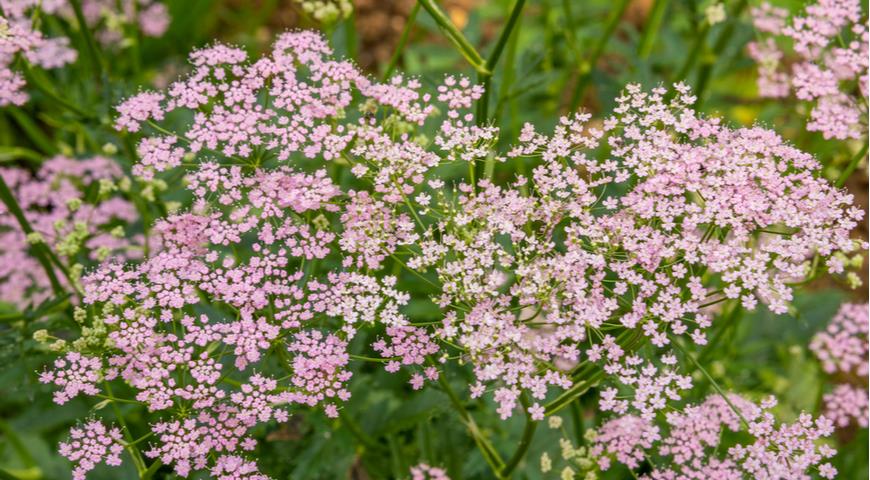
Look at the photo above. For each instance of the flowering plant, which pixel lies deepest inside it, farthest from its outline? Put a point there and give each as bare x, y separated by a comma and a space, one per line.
316, 211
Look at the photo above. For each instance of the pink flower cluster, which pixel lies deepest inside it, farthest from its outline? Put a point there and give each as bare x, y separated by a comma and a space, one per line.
90, 444
151, 17
279, 262
843, 345
843, 350
528, 270
18, 39
687, 445
408, 346
55, 203
830, 50
425, 472
74, 374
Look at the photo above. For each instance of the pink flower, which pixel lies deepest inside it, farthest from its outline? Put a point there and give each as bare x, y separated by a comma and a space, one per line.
91, 444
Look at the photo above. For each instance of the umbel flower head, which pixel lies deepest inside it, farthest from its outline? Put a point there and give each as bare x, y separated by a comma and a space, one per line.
621, 234
842, 348
18, 38
829, 43
75, 207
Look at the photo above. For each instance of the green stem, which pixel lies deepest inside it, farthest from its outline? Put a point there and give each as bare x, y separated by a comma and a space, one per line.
32, 130
576, 391
718, 48
130, 442
23, 453
727, 323
850, 168
11, 317
712, 382
39, 250
588, 66
403, 40
525, 442
651, 29
577, 419
454, 35
91, 44
694, 53
482, 109
34, 80
8, 154
492, 61
484, 78
486, 449
142, 438
358, 432
396, 457
147, 474
586, 375
471, 175
415, 272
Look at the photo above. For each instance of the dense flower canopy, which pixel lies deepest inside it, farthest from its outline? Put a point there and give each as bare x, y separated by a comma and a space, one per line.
628, 232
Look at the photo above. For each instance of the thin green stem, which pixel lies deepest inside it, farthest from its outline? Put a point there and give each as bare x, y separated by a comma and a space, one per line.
32, 131
90, 42
363, 358
142, 438
852, 165
130, 443
484, 78
525, 442
513, 20
577, 419
454, 35
721, 43
651, 29
39, 249
713, 302
34, 80
586, 68
403, 40
415, 272
15, 441
694, 53
487, 450
576, 391
712, 381
586, 375
481, 113
8, 154
359, 433
727, 323
147, 474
